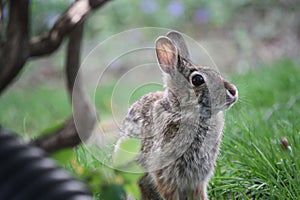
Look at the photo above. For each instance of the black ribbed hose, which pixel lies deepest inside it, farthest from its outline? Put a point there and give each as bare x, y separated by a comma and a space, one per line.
27, 174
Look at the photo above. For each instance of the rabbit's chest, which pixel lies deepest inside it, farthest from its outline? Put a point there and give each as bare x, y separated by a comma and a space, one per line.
194, 165
190, 170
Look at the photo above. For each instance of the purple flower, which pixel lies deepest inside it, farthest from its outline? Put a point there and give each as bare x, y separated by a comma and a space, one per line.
4, 13
176, 8
201, 16
148, 6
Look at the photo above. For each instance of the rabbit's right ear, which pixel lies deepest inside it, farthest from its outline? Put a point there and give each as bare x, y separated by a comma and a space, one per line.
178, 40
167, 54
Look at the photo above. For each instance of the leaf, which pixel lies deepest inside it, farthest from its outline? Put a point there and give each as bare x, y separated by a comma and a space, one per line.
63, 157
112, 191
126, 154
133, 190
130, 183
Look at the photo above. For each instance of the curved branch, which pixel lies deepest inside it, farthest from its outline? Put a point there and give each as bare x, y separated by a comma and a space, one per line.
84, 113
81, 124
64, 137
73, 16
17, 48
14, 52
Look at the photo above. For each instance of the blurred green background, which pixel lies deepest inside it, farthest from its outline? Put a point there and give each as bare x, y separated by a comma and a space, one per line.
255, 44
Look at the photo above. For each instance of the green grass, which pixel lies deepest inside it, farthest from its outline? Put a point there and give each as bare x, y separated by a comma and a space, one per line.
252, 163
30, 110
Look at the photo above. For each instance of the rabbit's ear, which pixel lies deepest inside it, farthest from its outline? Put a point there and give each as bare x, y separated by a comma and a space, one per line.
167, 54
178, 40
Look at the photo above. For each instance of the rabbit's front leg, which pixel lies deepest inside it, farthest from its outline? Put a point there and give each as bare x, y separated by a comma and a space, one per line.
200, 192
148, 189
167, 190
169, 194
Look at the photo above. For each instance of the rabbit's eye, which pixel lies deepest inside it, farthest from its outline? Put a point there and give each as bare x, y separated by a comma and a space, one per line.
197, 80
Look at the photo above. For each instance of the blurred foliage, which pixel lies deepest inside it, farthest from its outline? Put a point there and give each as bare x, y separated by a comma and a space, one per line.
50, 110
119, 15
105, 181
126, 152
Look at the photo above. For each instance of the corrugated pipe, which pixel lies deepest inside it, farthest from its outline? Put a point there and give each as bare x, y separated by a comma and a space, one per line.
26, 173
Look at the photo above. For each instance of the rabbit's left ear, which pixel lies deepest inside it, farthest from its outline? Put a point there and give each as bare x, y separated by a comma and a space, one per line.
167, 54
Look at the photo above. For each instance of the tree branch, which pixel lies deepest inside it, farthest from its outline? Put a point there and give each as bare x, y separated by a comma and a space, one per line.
65, 137
15, 50
73, 58
84, 113
73, 16
80, 126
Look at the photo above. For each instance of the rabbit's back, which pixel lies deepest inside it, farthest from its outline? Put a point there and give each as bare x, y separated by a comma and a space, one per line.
139, 119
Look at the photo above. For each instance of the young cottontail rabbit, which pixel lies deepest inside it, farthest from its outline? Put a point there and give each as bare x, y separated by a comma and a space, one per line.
180, 128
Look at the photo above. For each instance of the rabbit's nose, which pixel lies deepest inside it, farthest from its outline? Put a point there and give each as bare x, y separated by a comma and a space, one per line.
231, 90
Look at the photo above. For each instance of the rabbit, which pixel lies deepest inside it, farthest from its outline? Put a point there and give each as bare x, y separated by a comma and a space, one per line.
181, 127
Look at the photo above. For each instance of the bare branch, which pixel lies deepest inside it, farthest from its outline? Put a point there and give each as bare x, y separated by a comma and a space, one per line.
84, 113
17, 48
96, 3
15, 51
64, 137
80, 126
73, 16
73, 57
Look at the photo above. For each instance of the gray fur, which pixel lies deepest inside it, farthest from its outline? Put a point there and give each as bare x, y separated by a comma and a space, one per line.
180, 128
